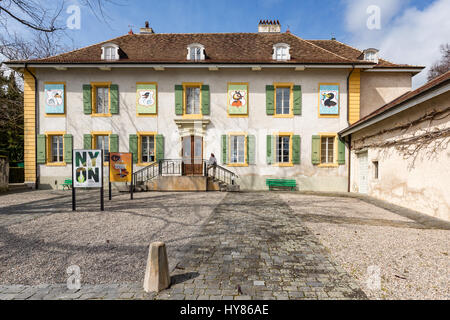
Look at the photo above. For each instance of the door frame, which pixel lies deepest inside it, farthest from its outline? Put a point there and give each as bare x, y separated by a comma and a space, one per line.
192, 169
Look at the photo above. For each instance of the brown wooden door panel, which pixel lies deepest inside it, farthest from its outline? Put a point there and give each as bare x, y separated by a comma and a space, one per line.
192, 155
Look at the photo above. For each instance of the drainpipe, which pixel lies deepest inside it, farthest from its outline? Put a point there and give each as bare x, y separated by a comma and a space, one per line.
349, 162
36, 103
350, 136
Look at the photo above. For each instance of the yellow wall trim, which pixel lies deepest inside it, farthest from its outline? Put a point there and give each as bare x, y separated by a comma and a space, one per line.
29, 127
354, 96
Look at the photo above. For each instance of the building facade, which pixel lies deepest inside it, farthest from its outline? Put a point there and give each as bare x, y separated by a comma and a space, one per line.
267, 104
400, 152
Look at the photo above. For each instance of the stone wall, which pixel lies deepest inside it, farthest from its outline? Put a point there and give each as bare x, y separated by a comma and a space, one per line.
420, 181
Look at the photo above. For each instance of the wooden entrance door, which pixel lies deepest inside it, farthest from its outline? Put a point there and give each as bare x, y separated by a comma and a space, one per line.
192, 156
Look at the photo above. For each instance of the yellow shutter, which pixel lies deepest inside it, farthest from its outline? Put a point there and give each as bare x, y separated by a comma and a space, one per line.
354, 92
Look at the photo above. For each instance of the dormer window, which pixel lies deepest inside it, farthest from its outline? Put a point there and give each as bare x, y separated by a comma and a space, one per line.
281, 52
110, 52
371, 55
196, 52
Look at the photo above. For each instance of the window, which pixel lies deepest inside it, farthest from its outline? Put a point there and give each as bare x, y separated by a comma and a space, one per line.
147, 149
283, 149
283, 100
192, 100
102, 142
375, 170
196, 52
237, 148
102, 100
327, 150
110, 51
281, 52
56, 148
371, 55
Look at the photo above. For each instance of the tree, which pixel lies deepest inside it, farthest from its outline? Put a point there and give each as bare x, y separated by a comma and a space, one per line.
29, 29
441, 66
11, 117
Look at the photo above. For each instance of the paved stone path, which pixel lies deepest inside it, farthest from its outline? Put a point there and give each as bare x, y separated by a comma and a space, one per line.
252, 247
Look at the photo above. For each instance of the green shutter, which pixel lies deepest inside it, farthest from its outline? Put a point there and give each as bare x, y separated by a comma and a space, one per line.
87, 141
205, 100
179, 100
315, 150
133, 147
297, 100
341, 151
224, 149
270, 98
68, 148
114, 92
87, 99
251, 149
114, 143
159, 147
269, 150
41, 153
296, 149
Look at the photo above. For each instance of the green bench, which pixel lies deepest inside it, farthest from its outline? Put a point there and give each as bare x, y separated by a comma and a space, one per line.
281, 183
67, 183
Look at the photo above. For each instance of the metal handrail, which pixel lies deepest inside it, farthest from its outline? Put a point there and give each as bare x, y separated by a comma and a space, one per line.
175, 167
222, 174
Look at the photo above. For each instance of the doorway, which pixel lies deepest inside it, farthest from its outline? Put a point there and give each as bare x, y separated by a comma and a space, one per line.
363, 172
192, 156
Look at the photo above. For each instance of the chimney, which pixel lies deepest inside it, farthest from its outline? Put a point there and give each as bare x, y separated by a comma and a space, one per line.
269, 26
147, 29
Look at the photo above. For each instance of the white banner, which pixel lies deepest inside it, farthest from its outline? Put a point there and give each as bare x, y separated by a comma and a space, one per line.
87, 168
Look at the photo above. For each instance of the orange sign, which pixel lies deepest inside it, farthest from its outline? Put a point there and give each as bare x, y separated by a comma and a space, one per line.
120, 167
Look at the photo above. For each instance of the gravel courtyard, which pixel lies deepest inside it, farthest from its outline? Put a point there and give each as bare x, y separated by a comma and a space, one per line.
40, 235
412, 255
274, 245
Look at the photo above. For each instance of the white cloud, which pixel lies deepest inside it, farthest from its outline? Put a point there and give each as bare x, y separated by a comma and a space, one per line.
411, 36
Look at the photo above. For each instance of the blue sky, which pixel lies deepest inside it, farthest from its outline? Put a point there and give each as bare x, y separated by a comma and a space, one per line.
410, 32
310, 19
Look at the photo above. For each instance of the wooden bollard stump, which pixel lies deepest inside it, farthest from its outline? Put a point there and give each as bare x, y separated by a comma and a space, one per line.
157, 275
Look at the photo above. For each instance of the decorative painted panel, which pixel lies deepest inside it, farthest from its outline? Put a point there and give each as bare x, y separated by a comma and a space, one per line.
54, 98
146, 98
329, 99
237, 100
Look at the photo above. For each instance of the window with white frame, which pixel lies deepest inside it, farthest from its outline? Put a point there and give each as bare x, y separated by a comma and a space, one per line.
110, 52
283, 149
237, 149
57, 148
327, 149
283, 100
101, 100
281, 52
148, 149
196, 52
102, 143
193, 100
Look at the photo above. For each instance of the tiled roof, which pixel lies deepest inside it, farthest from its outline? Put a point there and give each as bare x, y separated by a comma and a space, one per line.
445, 78
219, 48
351, 53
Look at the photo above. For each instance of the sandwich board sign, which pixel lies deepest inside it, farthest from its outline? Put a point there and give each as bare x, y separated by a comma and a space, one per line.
88, 169
87, 172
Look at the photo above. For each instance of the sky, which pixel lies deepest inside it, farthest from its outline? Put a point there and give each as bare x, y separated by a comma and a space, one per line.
409, 32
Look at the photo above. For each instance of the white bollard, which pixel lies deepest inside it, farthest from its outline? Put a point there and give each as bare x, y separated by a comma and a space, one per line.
157, 275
